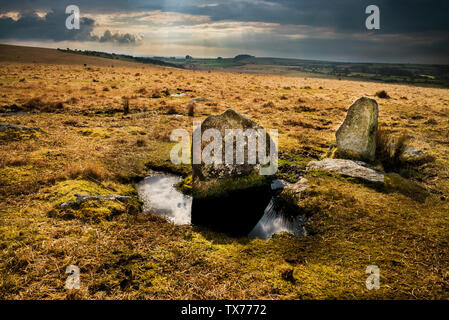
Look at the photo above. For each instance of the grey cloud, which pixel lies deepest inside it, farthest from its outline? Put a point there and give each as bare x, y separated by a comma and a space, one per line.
126, 38
347, 15
103, 6
52, 27
400, 19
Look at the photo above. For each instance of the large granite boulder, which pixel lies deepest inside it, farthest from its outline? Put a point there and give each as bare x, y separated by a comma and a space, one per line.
229, 197
357, 136
230, 119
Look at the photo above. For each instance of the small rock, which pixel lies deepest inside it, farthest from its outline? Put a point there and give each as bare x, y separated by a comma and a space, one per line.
299, 187
350, 168
200, 100
4, 127
80, 198
412, 155
279, 184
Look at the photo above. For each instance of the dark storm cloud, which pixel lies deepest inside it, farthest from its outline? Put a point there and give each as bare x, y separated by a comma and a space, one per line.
51, 27
31, 26
346, 15
84, 5
397, 15
410, 29
126, 38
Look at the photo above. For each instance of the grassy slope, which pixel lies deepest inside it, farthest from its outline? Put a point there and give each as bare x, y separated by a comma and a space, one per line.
19, 54
89, 147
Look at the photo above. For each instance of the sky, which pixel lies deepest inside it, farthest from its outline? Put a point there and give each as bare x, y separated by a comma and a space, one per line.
411, 31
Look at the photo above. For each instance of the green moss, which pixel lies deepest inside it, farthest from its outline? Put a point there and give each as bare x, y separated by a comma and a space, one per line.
16, 135
395, 183
297, 161
46, 154
331, 153
93, 211
135, 130
346, 154
319, 280
291, 166
13, 175
169, 167
185, 185
288, 202
130, 270
90, 210
96, 132
222, 187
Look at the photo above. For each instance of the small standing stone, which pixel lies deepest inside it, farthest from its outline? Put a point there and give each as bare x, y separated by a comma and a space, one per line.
357, 136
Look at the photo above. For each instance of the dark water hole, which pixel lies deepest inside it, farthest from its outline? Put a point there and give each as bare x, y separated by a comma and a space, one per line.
244, 213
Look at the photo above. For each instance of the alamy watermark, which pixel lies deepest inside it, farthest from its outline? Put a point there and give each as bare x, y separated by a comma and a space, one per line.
73, 20
373, 20
254, 141
73, 280
373, 280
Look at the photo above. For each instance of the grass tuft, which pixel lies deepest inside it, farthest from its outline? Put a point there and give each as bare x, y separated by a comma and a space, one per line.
382, 94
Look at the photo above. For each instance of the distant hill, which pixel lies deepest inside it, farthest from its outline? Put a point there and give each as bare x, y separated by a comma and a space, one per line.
22, 54
241, 57
121, 57
417, 74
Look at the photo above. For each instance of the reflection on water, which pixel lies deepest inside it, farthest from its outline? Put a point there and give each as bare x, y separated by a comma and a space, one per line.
274, 222
161, 197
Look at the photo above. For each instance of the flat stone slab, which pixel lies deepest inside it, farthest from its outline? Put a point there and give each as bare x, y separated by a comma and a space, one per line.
349, 168
80, 198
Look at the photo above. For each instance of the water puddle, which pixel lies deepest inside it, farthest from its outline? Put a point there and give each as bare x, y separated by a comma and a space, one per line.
272, 222
161, 197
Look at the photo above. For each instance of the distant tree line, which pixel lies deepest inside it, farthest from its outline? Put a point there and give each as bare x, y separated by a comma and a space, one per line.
124, 57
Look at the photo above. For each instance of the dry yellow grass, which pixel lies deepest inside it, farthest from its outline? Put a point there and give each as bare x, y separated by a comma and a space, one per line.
91, 141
